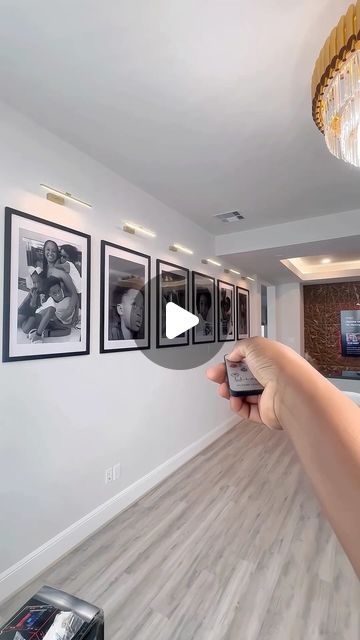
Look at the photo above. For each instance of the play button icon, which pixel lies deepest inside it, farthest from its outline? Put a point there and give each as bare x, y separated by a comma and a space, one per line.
178, 341
178, 320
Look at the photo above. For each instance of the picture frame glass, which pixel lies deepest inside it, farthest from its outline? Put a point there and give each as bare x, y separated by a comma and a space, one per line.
38, 321
226, 311
172, 286
243, 315
203, 288
126, 299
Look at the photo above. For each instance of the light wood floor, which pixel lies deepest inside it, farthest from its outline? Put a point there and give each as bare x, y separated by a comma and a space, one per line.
231, 547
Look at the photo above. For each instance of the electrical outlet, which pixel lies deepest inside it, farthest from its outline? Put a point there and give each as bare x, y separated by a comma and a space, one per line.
116, 471
109, 475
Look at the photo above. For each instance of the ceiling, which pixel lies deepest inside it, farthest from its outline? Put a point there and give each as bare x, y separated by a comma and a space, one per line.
268, 265
310, 262
205, 105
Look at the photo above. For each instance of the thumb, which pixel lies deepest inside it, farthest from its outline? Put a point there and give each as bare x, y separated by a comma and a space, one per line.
240, 351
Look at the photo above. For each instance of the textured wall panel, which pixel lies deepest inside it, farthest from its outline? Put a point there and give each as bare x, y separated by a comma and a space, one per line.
322, 306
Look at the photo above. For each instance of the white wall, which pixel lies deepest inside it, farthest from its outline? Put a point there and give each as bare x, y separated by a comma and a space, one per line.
272, 313
65, 420
290, 316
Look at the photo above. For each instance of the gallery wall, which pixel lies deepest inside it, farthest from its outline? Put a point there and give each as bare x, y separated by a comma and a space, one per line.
323, 304
65, 420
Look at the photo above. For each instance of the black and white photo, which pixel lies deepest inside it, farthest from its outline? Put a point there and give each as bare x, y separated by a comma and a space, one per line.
172, 286
125, 299
46, 289
226, 311
242, 313
203, 293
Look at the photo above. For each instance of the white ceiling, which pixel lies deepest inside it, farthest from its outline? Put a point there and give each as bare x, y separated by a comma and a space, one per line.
205, 104
335, 258
266, 263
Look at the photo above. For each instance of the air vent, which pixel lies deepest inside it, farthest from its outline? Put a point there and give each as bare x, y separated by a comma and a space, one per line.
232, 216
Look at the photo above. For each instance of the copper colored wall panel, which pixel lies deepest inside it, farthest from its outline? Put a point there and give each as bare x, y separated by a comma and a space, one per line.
322, 306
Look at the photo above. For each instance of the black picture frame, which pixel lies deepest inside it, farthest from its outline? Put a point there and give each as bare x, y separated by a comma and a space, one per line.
138, 344
161, 342
195, 311
245, 294
230, 337
13, 217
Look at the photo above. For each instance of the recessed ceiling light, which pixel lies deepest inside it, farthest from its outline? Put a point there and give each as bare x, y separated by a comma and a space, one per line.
237, 273
325, 260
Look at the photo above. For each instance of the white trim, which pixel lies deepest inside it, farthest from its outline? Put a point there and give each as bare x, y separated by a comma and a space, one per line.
37, 561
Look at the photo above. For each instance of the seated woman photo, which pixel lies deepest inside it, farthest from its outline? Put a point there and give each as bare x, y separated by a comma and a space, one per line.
51, 308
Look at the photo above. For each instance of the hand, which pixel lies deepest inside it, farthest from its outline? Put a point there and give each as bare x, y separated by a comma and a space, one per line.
34, 297
274, 365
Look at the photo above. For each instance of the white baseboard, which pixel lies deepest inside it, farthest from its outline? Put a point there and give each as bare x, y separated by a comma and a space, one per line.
36, 562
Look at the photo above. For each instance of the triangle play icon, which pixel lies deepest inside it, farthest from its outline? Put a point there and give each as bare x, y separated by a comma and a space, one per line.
178, 320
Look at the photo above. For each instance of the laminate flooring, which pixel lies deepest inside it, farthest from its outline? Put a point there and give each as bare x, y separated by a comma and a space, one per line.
232, 546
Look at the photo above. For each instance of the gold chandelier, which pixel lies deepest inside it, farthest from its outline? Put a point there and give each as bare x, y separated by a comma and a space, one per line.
336, 88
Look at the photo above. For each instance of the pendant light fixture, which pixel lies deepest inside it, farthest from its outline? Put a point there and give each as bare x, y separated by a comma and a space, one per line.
336, 88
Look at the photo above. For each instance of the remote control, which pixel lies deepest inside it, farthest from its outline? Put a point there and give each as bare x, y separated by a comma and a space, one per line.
240, 379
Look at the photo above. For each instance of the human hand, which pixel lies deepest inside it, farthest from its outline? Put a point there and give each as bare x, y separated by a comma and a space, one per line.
274, 365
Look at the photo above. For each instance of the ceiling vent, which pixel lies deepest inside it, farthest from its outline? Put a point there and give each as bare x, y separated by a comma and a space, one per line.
232, 216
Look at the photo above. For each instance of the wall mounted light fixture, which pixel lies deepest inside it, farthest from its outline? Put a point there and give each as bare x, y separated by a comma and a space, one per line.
228, 270
179, 247
59, 197
207, 260
130, 227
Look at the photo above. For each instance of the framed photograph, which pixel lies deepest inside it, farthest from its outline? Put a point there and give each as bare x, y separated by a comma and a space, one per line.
226, 311
203, 295
242, 313
46, 289
124, 299
172, 286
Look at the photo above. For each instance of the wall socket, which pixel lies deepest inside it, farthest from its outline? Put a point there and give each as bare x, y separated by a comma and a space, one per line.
116, 471
113, 473
108, 475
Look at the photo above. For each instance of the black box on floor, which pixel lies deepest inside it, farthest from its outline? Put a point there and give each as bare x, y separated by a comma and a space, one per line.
55, 615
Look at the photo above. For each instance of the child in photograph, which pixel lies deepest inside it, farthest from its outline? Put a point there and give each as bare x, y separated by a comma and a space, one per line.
57, 315
126, 314
203, 306
33, 300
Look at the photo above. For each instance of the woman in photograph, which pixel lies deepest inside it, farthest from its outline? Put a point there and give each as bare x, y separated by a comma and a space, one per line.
56, 265
68, 259
126, 314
